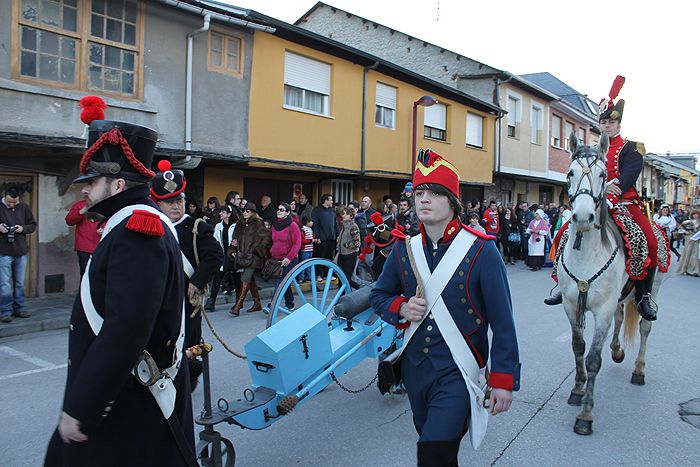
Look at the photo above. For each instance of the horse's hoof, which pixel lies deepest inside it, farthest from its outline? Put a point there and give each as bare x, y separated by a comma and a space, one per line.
583, 427
575, 399
618, 356
637, 379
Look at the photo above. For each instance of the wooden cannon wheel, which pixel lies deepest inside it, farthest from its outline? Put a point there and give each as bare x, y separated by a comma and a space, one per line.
324, 295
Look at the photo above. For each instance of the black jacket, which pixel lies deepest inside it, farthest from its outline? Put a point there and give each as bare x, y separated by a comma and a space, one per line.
137, 285
211, 256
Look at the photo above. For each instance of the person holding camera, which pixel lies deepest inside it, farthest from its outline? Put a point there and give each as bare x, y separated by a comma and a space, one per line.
16, 222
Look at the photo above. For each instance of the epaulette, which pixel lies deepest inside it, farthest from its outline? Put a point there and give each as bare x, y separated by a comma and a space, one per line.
145, 222
478, 233
397, 233
641, 149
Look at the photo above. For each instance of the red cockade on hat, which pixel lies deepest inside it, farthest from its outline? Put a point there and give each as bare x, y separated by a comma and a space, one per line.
431, 167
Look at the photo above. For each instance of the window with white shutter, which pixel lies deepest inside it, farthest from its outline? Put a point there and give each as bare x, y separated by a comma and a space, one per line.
475, 130
513, 107
385, 114
536, 113
568, 130
307, 84
556, 131
435, 122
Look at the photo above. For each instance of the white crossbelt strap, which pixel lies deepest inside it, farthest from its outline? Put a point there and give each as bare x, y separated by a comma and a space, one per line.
442, 274
163, 390
474, 377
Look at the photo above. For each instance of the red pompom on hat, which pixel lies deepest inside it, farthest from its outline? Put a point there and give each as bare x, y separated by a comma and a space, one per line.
164, 165
93, 109
376, 218
431, 167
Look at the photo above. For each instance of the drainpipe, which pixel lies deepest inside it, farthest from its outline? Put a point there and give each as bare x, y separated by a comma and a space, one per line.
364, 117
499, 126
188, 92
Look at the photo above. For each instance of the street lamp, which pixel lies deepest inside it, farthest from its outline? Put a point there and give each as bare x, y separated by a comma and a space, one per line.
425, 101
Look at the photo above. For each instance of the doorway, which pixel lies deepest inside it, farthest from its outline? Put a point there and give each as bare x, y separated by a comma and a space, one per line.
27, 184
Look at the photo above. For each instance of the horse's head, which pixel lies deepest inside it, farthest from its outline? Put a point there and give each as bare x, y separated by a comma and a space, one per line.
586, 180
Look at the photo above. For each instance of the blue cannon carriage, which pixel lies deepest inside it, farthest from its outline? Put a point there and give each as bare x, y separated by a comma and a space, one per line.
297, 356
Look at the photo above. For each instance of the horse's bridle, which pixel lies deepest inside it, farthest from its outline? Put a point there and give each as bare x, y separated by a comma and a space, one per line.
591, 157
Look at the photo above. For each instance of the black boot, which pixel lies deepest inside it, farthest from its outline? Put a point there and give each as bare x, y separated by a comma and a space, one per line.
642, 296
438, 453
210, 305
555, 299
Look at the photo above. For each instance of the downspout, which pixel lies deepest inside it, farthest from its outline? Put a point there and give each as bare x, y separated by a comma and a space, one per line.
364, 118
499, 126
188, 92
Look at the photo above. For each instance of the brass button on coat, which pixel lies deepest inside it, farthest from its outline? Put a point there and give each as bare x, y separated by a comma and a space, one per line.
430, 328
461, 273
463, 300
427, 339
470, 311
426, 350
478, 321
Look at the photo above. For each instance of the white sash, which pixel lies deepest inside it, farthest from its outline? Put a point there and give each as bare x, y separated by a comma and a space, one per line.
434, 284
163, 390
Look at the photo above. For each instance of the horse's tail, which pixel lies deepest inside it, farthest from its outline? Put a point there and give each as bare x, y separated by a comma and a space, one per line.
631, 323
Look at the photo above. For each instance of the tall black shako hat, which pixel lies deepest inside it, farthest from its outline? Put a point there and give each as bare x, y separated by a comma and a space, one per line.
115, 149
607, 108
168, 183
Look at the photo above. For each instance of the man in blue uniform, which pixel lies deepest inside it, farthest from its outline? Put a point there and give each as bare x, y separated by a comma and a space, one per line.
168, 190
127, 398
474, 296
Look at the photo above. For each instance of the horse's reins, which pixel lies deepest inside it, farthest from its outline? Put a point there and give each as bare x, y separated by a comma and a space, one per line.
586, 169
584, 286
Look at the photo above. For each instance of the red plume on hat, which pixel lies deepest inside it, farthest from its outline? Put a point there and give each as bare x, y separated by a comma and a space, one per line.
93, 109
616, 86
607, 106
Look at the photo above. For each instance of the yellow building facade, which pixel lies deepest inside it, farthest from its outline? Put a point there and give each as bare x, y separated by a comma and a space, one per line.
318, 135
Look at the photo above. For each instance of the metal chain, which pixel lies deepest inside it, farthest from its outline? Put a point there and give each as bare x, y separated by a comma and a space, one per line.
353, 391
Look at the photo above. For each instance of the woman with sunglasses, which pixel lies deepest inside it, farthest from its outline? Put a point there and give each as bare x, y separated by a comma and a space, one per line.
286, 243
250, 247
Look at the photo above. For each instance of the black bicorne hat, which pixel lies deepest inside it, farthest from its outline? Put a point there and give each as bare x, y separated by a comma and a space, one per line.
608, 108
168, 183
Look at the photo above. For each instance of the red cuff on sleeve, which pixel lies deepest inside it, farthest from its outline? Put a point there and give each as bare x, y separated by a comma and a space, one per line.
394, 308
501, 381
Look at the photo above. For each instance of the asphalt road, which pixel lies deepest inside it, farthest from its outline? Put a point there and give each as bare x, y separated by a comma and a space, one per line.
632, 425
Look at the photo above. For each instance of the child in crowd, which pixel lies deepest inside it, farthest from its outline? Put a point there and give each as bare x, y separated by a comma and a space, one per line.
307, 245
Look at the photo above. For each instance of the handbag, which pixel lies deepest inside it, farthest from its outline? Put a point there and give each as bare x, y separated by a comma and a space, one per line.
514, 237
271, 268
244, 259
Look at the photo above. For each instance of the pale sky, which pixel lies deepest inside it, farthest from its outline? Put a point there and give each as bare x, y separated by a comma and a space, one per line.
583, 43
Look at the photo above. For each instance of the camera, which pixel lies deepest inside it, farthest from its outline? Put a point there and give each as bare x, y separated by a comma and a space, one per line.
11, 234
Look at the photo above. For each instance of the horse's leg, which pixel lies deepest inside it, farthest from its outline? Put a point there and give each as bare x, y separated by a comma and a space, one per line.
584, 420
618, 354
640, 363
578, 344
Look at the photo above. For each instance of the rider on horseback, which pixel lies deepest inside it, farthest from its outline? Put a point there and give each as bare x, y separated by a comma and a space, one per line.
624, 161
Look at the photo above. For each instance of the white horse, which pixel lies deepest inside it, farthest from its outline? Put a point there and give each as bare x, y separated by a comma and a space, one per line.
592, 277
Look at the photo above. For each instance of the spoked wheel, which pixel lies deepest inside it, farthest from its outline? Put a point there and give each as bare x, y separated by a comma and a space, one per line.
216, 453
322, 297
